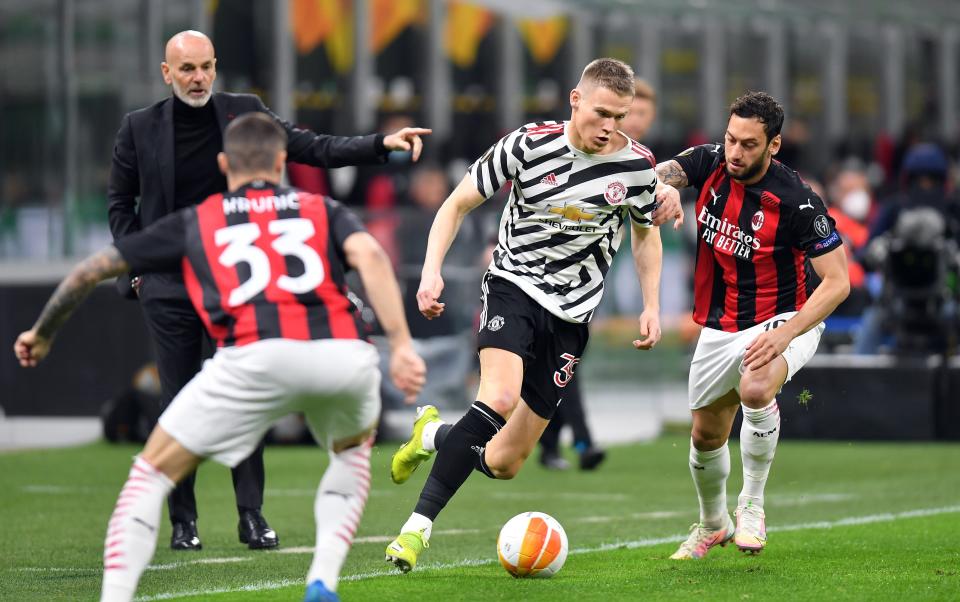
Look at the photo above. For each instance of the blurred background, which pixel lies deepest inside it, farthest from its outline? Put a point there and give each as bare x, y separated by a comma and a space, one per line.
871, 90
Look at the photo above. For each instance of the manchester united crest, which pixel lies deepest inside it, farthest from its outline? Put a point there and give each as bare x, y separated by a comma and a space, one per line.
616, 192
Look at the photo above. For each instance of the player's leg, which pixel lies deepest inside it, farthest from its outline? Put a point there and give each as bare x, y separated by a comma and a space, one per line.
557, 347
760, 432
713, 406
459, 447
337, 510
710, 468
132, 531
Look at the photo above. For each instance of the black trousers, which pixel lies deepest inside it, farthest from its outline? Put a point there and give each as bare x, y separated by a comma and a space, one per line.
570, 412
182, 344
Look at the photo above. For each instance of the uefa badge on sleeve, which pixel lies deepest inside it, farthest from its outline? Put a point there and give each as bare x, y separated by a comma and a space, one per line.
821, 226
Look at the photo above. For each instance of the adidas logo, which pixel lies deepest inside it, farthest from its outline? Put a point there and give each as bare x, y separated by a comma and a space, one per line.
549, 180
477, 449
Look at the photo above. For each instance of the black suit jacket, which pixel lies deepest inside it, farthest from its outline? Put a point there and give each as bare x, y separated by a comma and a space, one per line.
141, 185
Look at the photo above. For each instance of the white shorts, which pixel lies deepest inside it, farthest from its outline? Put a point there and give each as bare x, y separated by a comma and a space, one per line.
718, 361
226, 409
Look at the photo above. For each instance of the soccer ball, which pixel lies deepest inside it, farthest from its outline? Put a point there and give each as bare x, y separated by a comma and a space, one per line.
532, 544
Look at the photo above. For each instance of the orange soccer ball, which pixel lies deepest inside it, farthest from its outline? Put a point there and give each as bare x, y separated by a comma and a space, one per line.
532, 544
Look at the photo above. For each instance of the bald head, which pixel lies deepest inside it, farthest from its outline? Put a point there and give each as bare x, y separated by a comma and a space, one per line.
190, 67
187, 42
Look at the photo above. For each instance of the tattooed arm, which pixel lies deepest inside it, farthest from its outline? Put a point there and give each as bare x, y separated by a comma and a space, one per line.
34, 344
671, 173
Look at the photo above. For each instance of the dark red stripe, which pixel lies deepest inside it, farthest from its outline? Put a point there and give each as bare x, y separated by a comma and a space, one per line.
766, 267
211, 217
339, 316
799, 263
195, 291
291, 314
703, 272
726, 261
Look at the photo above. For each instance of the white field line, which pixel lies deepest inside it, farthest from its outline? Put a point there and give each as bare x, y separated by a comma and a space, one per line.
637, 543
781, 500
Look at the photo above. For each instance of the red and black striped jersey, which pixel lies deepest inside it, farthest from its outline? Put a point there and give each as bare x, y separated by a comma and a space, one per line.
753, 242
260, 262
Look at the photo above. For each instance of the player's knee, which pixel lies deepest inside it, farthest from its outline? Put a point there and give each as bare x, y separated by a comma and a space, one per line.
506, 470
504, 400
755, 394
705, 440
505, 465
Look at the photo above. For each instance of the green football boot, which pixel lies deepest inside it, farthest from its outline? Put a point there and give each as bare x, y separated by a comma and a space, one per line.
411, 454
404, 550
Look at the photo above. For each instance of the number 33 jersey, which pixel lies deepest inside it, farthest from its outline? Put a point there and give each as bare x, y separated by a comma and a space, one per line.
260, 262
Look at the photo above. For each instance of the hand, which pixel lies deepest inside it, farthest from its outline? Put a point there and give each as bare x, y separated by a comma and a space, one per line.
649, 330
30, 348
431, 285
668, 206
407, 139
407, 371
765, 347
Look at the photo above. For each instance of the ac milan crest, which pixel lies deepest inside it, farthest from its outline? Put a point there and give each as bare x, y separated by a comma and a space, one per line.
756, 222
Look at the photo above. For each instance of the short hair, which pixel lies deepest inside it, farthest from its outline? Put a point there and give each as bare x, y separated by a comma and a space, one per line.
611, 74
643, 89
762, 106
252, 141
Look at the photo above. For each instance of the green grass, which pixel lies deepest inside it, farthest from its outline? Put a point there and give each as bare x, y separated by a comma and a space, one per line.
54, 507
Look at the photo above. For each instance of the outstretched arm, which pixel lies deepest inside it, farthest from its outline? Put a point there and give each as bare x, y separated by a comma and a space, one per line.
464, 199
34, 344
365, 254
833, 289
648, 260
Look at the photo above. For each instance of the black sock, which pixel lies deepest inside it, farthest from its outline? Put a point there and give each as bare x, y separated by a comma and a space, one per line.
458, 453
441, 435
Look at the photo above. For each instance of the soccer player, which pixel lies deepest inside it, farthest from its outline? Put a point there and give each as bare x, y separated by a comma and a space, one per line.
759, 230
164, 159
264, 266
574, 186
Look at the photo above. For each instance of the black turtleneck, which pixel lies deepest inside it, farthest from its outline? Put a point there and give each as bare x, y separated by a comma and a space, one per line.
196, 142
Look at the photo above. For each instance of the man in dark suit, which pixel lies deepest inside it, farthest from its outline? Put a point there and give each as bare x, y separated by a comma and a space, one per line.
164, 159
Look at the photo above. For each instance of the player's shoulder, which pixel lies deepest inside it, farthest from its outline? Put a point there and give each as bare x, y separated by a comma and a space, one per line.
789, 188
541, 129
712, 150
636, 150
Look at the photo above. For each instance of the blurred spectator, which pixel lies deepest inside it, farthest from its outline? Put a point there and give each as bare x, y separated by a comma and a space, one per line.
913, 244
444, 341
850, 205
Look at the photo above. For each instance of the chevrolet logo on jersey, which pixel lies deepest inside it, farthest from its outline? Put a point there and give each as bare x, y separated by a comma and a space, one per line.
573, 213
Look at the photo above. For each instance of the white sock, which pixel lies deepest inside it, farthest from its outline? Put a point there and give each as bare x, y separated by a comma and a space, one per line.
429, 432
132, 532
337, 510
758, 444
710, 470
418, 522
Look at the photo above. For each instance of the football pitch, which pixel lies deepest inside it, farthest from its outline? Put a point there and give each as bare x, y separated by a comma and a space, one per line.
847, 521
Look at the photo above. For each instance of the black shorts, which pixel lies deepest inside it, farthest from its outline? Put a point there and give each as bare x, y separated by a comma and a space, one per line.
550, 347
